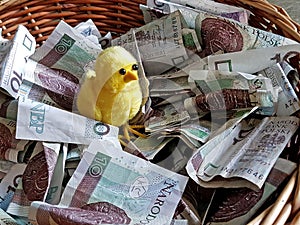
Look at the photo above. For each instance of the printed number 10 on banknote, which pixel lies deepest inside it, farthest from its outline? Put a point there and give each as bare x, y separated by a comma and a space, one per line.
23, 46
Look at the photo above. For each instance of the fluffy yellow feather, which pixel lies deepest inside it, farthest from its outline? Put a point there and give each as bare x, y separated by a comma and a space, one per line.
111, 93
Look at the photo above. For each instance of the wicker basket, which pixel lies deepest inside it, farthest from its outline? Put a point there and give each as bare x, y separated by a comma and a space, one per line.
118, 16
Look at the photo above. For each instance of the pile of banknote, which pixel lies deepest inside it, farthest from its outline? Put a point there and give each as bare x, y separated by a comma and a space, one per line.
216, 134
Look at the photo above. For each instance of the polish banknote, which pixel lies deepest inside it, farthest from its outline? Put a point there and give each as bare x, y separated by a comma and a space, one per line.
14, 64
190, 9
55, 70
259, 58
244, 154
239, 205
221, 34
288, 101
225, 91
10, 183
228, 11
11, 147
4, 48
5, 218
35, 179
159, 40
42, 122
113, 186
8, 107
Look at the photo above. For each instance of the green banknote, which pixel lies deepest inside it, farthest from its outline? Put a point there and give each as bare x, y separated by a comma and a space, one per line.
112, 186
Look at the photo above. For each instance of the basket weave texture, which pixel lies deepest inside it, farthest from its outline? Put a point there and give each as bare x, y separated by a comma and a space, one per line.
41, 17
118, 16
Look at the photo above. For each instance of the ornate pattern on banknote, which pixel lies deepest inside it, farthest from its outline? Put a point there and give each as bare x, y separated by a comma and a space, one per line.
225, 99
219, 35
36, 177
5, 140
95, 129
93, 213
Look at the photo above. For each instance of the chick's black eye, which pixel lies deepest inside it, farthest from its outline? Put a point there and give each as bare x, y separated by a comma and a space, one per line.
122, 71
135, 67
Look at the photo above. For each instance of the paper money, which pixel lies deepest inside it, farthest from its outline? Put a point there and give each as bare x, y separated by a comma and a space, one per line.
56, 185
182, 70
133, 190
172, 153
179, 222
192, 131
106, 40
189, 10
89, 30
198, 199
151, 145
239, 205
259, 58
221, 90
189, 15
42, 122
35, 179
195, 131
168, 120
161, 143
8, 107
165, 95
159, 40
4, 48
155, 10
66, 49
217, 136
21, 220
11, 146
6, 219
190, 40
292, 74
232, 12
193, 144
5, 166
167, 115
53, 72
158, 101
10, 183
170, 83
194, 63
13, 68
45, 159
53, 87
246, 153
288, 101
70, 168
75, 151
221, 34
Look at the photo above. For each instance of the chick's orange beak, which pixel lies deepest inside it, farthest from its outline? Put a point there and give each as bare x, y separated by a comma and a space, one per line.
130, 75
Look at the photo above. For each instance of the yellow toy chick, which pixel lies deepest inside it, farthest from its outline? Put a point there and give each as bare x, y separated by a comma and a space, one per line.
111, 93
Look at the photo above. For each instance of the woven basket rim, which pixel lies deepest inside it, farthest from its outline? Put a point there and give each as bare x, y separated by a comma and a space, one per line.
118, 16
272, 17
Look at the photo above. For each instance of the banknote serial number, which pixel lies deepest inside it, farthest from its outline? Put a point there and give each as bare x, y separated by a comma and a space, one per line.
243, 170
